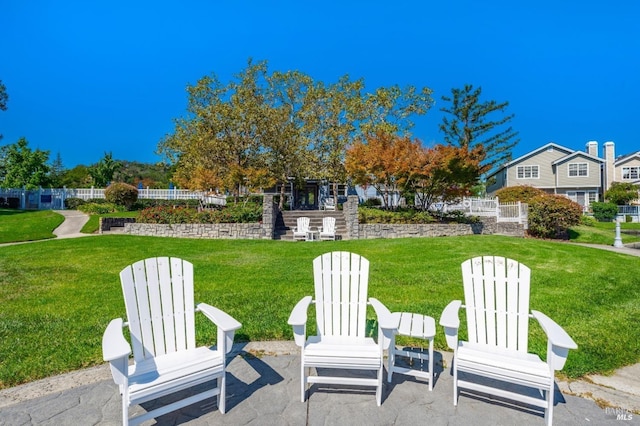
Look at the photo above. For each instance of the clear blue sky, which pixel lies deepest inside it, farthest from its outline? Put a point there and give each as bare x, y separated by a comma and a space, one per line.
89, 77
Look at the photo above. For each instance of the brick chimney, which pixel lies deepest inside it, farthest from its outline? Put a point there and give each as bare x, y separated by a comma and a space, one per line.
609, 169
592, 148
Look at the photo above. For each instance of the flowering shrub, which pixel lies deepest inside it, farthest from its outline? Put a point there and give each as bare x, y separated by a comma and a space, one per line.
121, 194
550, 216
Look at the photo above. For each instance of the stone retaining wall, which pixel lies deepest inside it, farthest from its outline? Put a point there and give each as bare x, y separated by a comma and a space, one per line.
487, 227
253, 231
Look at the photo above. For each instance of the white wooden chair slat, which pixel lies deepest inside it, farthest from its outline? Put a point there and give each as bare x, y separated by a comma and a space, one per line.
328, 229
340, 282
155, 309
302, 228
497, 296
144, 311
168, 318
158, 294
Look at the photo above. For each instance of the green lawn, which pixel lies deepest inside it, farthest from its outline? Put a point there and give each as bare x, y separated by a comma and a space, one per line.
20, 225
58, 296
605, 232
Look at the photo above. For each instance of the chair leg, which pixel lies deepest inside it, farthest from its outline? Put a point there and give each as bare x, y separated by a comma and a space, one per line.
455, 383
222, 396
125, 412
379, 388
548, 413
430, 364
392, 358
303, 383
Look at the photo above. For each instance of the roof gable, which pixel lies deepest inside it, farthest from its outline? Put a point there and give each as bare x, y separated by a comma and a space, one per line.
575, 154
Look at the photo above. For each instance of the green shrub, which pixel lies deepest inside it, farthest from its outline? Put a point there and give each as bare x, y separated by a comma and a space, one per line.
522, 193
121, 194
550, 216
73, 203
100, 208
372, 202
234, 213
588, 220
400, 216
604, 212
146, 203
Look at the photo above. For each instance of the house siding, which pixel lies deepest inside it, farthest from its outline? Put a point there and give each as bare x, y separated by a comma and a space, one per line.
630, 162
543, 160
592, 180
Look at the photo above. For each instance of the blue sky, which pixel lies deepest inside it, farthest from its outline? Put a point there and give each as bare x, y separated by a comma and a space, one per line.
89, 77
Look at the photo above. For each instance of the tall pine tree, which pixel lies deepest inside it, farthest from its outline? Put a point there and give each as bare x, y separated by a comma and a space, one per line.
469, 125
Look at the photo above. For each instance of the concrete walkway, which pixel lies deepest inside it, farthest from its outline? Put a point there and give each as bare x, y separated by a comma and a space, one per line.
264, 388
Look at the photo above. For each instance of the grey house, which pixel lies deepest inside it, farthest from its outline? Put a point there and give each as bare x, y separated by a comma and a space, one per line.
556, 169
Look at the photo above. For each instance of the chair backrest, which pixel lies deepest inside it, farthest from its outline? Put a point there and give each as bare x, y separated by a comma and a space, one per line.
158, 294
341, 280
329, 204
496, 293
328, 225
303, 224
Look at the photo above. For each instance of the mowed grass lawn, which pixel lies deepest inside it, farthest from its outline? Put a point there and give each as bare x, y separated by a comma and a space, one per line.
20, 225
57, 296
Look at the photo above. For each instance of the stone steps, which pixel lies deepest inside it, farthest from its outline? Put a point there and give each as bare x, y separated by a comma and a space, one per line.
287, 220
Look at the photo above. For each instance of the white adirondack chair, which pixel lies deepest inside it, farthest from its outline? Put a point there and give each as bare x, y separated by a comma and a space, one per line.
158, 294
301, 232
496, 292
328, 229
341, 280
329, 204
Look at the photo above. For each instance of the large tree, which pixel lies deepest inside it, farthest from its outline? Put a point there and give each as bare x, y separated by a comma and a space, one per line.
470, 123
217, 145
385, 162
444, 174
22, 167
103, 171
263, 128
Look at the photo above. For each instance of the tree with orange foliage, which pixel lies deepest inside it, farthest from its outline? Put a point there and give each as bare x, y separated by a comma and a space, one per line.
445, 173
385, 161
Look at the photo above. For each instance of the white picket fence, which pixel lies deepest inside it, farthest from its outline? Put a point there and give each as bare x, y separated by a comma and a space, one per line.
491, 207
53, 198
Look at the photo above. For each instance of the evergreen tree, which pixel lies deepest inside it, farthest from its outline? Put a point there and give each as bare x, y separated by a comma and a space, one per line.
469, 125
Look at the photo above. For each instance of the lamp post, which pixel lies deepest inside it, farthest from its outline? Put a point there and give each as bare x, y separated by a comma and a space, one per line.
617, 242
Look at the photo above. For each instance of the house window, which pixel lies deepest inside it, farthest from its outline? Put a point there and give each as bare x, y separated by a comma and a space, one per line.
593, 197
578, 169
528, 172
630, 173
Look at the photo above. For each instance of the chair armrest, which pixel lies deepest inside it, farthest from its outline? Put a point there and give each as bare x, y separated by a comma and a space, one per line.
114, 345
220, 318
559, 341
451, 322
226, 324
298, 320
387, 323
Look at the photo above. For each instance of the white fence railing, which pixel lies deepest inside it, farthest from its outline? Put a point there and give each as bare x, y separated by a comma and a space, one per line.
490, 207
53, 198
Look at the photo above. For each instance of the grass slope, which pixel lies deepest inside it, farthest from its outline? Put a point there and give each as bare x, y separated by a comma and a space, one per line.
58, 296
21, 225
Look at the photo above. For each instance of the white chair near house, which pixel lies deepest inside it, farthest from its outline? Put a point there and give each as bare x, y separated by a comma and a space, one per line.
341, 281
158, 295
496, 293
328, 229
302, 230
328, 204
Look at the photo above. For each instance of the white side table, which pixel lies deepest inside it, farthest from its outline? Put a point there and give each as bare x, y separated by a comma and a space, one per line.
418, 326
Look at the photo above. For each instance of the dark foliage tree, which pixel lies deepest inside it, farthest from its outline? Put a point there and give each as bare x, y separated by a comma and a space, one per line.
470, 124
